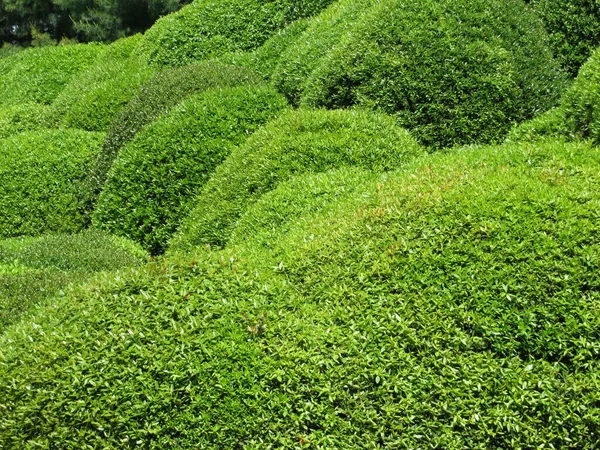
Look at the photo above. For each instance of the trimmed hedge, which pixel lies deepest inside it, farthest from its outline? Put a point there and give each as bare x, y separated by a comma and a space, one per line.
299, 141
21, 117
581, 102
452, 71
574, 29
322, 35
157, 96
33, 270
39, 74
95, 96
209, 28
454, 305
302, 198
157, 174
577, 116
42, 175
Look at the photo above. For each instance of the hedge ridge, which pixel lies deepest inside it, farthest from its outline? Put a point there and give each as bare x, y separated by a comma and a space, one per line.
22, 117
156, 97
40, 74
42, 176
160, 171
456, 73
299, 141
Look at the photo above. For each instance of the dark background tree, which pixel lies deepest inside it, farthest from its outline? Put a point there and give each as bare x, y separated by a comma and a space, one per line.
85, 20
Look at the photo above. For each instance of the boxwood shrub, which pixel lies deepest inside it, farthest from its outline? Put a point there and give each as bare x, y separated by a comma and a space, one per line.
581, 103
209, 28
156, 175
21, 117
453, 71
453, 305
34, 269
40, 74
42, 176
323, 33
157, 96
574, 29
96, 95
299, 141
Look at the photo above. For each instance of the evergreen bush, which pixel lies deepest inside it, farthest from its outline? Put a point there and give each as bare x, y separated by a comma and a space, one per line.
21, 117
157, 96
39, 74
161, 170
299, 141
452, 71
42, 175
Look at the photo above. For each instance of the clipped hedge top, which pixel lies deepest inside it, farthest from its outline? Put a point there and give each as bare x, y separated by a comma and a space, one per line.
42, 173
89, 251
299, 141
208, 28
162, 169
453, 71
21, 117
157, 96
40, 74
454, 306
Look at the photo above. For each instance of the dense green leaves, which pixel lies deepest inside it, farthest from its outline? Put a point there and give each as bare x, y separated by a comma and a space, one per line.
574, 29
156, 97
40, 74
157, 174
452, 304
299, 141
453, 72
42, 175
21, 117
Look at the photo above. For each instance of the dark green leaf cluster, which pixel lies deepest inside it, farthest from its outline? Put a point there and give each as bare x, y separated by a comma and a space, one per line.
299, 141
155, 176
451, 304
32, 269
453, 71
210, 28
40, 74
574, 29
578, 114
157, 96
42, 175
96, 95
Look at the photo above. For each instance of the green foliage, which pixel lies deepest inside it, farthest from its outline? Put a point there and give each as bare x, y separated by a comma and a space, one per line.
209, 28
34, 269
322, 35
574, 29
21, 117
95, 97
581, 103
42, 175
452, 304
551, 124
157, 174
453, 71
40, 74
157, 96
299, 141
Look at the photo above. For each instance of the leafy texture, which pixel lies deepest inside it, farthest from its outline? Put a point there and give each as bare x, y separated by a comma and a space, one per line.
300, 141
156, 97
21, 117
209, 28
452, 304
161, 170
95, 96
39, 75
35, 269
453, 71
42, 175
574, 29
